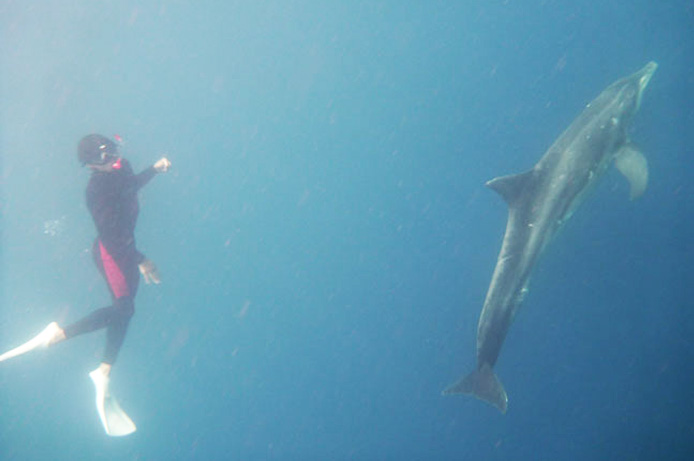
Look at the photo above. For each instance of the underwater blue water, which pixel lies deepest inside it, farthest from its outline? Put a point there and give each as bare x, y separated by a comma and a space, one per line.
325, 237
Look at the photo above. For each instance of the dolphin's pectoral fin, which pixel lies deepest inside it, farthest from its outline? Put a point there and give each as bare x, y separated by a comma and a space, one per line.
634, 166
484, 385
513, 186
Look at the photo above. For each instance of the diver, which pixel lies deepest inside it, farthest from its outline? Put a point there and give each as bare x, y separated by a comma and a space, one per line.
112, 201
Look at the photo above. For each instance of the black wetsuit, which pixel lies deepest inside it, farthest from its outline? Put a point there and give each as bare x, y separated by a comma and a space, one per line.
112, 202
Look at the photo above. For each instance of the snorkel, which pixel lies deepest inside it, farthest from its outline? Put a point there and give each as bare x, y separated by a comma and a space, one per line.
116, 165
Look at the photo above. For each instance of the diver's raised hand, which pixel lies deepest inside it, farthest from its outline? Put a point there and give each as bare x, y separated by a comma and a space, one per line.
162, 165
149, 272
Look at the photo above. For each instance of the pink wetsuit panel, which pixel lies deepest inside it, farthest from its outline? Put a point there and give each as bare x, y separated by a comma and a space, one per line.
115, 277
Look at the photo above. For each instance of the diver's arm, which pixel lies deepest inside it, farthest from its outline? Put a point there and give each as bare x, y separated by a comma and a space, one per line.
161, 166
144, 177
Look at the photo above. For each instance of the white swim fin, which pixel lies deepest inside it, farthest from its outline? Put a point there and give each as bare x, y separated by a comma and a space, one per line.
42, 340
116, 422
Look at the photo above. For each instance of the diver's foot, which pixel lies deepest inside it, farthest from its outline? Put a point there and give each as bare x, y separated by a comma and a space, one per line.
100, 379
50, 335
58, 335
103, 370
115, 421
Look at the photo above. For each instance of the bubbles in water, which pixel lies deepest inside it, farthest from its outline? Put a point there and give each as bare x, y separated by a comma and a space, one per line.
53, 227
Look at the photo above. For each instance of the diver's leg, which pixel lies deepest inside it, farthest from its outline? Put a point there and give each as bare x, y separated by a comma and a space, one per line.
115, 421
93, 321
124, 308
119, 283
123, 280
117, 328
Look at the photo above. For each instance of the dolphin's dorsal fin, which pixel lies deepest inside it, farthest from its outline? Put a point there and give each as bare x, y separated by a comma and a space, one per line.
634, 166
513, 186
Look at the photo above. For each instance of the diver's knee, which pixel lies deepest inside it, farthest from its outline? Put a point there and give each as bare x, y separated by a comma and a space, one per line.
126, 307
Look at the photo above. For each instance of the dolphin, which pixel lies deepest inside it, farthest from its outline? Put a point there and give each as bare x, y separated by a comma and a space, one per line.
540, 201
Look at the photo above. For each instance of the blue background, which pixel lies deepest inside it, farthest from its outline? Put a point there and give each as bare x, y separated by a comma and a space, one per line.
325, 236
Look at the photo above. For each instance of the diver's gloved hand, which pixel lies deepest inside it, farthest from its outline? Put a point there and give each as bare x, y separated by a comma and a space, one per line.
162, 165
149, 272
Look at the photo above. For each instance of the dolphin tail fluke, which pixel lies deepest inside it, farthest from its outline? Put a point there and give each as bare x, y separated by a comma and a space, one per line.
482, 384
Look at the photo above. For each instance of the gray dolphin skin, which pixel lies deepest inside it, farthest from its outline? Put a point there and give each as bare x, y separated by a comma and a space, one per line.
540, 201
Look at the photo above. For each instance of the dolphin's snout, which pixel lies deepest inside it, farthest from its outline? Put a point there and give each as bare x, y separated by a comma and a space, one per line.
645, 76
647, 73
